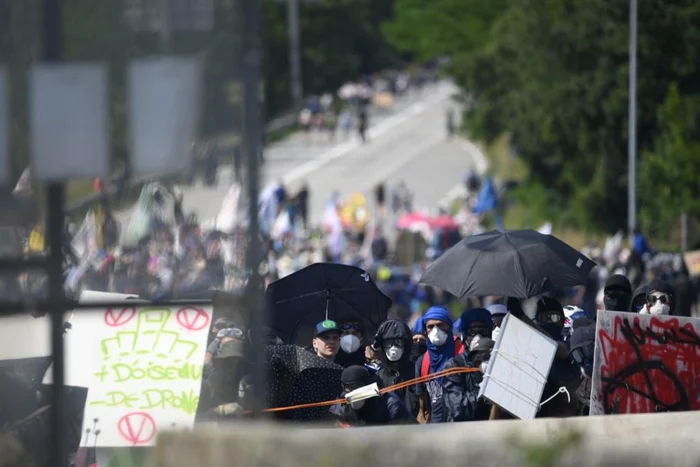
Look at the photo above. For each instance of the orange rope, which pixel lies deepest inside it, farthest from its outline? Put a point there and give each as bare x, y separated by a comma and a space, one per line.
402, 385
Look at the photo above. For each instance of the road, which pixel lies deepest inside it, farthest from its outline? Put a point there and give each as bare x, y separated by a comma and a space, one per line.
407, 143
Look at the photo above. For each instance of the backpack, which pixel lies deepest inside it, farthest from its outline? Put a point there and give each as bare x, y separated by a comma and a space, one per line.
425, 365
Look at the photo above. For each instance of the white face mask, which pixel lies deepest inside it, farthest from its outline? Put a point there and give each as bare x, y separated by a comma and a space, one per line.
475, 340
658, 309
357, 404
483, 367
393, 353
437, 336
496, 332
349, 343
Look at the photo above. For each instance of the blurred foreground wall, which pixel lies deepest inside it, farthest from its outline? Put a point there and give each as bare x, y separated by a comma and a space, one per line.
638, 440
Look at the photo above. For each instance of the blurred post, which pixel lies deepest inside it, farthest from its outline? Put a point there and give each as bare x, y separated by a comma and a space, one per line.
52, 48
251, 67
684, 232
165, 29
295, 52
632, 141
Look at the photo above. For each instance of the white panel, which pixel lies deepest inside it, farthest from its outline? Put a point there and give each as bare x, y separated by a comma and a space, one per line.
164, 105
69, 121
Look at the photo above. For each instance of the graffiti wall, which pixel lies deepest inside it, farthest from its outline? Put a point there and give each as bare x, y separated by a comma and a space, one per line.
645, 363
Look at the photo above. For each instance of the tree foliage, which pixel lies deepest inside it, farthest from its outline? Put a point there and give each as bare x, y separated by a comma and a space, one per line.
554, 74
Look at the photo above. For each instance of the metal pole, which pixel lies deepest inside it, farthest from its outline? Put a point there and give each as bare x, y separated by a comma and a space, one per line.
52, 45
251, 65
632, 141
295, 52
684, 231
165, 26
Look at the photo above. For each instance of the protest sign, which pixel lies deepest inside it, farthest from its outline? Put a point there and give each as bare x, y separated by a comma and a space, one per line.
149, 374
518, 368
645, 363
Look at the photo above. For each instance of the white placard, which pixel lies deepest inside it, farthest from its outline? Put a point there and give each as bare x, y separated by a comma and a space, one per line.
4, 128
164, 110
69, 121
149, 374
24, 336
517, 371
83, 337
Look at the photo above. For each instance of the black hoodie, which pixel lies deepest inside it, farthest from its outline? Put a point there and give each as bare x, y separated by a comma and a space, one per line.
391, 373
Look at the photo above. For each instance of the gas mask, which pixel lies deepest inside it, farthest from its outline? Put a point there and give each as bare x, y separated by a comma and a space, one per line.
437, 336
393, 352
349, 343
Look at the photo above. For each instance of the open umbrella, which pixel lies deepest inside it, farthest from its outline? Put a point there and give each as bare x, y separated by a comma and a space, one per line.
324, 291
299, 376
518, 263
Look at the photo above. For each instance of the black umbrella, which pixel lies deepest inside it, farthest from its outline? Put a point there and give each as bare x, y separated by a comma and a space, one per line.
517, 263
299, 376
324, 291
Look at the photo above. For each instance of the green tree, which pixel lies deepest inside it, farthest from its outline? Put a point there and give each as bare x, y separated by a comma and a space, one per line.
669, 173
554, 74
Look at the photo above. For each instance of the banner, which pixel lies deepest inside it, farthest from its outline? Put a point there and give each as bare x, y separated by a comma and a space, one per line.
148, 376
645, 364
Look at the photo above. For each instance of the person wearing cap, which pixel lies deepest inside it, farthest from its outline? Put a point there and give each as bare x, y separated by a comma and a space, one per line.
617, 293
639, 298
327, 341
461, 390
475, 324
660, 299
385, 409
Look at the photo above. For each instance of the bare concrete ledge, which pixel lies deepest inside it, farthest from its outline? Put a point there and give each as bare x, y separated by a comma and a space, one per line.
637, 440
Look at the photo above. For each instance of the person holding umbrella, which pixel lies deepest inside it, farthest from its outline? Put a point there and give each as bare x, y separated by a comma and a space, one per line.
327, 341
442, 346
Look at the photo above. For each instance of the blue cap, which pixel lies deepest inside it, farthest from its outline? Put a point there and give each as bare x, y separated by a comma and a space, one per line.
327, 326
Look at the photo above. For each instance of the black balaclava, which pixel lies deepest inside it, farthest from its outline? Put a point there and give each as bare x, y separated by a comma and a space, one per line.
418, 349
617, 293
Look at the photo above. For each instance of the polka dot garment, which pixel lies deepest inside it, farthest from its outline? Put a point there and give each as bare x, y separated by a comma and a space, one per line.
299, 376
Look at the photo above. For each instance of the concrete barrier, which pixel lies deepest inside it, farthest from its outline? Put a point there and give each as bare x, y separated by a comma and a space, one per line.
638, 440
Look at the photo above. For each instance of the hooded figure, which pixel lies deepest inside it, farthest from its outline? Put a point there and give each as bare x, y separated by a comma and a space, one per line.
462, 389
437, 325
550, 316
617, 293
394, 343
639, 299
475, 324
661, 299
582, 347
382, 410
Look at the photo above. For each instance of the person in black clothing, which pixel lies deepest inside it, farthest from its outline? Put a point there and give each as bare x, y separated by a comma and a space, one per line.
617, 293
362, 124
380, 198
382, 410
462, 389
393, 343
302, 199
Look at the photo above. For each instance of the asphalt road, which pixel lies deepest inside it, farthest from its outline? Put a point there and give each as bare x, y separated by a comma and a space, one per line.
408, 143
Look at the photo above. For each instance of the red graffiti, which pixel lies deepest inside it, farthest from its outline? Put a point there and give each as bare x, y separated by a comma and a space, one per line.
192, 319
119, 318
137, 428
649, 368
